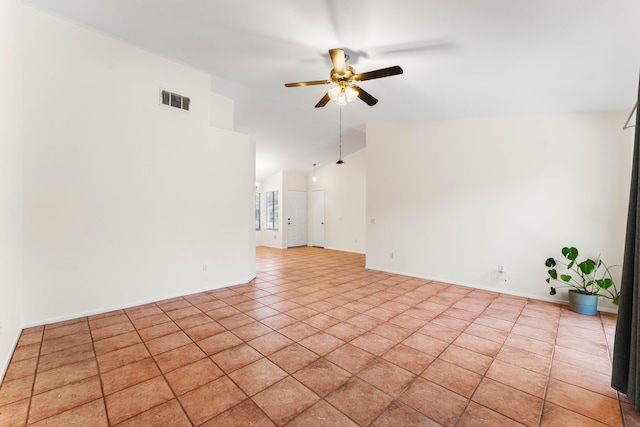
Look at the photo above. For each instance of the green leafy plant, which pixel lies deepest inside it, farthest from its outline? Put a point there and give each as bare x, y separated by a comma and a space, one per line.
587, 277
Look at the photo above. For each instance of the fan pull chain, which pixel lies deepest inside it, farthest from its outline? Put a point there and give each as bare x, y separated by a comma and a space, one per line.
339, 162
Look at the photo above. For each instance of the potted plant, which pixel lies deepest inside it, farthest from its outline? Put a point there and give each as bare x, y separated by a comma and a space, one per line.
589, 280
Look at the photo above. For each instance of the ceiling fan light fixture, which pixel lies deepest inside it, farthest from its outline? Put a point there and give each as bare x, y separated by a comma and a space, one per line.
350, 93
342, 94
334, 92
342, 98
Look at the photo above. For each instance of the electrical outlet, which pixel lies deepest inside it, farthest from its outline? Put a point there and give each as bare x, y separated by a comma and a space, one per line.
205, 267
500, 273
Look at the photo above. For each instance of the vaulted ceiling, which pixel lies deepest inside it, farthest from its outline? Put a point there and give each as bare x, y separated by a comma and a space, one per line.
461, 58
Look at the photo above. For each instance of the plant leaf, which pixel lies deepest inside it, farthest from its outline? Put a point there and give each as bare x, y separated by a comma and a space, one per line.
570, 253
587, 266
616, 299
553, 273
550, 262
605, 283
552, 291
565, 277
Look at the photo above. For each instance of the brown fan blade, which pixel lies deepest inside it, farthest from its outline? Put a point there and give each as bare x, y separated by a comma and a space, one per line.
376, 74
338, 60
315, 82
323, 101
365, 96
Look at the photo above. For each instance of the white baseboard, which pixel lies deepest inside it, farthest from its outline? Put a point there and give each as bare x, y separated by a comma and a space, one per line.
345, 250
132, 304
487, 288
5, 364
270, 246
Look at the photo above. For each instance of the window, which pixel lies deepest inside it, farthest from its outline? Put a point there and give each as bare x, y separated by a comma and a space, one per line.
271, 203
174, 100
257, 211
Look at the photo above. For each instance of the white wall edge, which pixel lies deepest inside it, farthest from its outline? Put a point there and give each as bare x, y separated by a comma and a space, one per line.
5, 364
487, 288
142, 302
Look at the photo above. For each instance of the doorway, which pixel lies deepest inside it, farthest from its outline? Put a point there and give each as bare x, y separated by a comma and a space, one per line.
296, 218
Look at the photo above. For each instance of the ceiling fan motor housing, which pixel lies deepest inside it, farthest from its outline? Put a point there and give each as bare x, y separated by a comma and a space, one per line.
344, 78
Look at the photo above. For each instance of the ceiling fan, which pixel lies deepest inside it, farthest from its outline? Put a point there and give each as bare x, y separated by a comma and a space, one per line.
344, 77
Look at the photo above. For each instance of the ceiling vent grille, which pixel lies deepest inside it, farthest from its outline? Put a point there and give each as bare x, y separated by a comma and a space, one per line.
174, 100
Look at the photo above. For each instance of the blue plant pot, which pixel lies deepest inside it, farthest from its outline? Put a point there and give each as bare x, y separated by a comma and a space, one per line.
583, 303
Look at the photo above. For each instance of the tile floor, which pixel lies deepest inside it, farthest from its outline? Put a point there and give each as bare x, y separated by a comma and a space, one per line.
318, 340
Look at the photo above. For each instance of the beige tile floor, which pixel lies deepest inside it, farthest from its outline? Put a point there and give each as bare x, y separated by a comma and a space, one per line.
318, 340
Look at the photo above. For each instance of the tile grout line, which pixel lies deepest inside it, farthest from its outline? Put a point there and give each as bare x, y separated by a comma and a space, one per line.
484, 375
35, 375
209, 357
291, 375
95, 355
548, 379
323, 398
42, 339
159, 370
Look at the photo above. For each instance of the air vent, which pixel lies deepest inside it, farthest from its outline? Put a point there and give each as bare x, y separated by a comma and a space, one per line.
174, 100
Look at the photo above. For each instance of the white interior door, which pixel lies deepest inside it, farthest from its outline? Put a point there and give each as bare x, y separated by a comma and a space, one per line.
296, 218
317, 218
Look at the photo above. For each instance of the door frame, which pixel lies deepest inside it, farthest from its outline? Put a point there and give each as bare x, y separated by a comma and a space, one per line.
315, 227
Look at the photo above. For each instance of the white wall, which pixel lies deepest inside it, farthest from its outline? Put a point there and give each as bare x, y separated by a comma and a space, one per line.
454, 199
221, 111
345, 202
125, 199
296, 181
10, 179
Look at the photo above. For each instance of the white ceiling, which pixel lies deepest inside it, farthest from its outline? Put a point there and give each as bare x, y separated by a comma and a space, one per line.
461, 58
